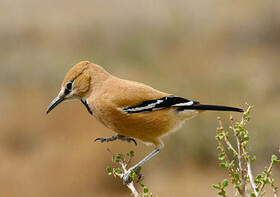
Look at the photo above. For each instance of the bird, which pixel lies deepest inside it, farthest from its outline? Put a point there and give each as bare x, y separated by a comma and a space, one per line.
131, 109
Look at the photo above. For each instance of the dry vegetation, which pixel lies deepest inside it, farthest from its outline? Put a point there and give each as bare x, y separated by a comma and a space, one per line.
215, 52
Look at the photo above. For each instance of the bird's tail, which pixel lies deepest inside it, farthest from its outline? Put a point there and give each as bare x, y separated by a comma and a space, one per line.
212, 107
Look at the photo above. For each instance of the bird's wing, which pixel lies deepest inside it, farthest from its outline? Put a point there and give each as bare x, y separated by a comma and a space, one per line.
161, 103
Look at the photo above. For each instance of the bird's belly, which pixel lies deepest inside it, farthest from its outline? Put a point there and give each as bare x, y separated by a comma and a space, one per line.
146, 126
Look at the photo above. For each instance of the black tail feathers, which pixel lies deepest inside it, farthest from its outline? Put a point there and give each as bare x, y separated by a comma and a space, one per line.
211, 107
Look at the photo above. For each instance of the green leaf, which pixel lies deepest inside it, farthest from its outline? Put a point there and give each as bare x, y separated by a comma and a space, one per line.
132, 175
119, 156
246, 137
145, 190
141, 184
138, 169
109, 169
231, 164
221, 156
225, 183
118, 170
240, 127
245, 143
252, 195
236, 186
236, 176
216, 186
259, 177
274, 159
222, 165
253, 159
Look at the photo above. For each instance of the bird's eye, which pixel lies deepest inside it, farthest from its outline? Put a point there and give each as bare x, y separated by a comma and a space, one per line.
69, 85
68, 88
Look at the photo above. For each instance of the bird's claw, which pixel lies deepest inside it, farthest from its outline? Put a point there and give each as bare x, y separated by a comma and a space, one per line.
101, 140
128, 139
116, 137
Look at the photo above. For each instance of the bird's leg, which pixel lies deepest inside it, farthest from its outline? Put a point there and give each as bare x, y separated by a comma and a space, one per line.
126, 178
148, 157
116, 137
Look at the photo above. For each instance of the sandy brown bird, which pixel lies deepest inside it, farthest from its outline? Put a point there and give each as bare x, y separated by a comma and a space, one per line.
131, 109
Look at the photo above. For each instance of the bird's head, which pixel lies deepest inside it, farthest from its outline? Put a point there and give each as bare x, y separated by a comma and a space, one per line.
77, 82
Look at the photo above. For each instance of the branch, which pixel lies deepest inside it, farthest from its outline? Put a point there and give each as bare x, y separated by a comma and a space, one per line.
268, 178
120, 172
226, 138
251, 177
132, 188
135, 176
223, 156
242, 175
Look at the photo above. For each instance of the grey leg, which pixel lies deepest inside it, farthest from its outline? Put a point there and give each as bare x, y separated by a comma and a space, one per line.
126, 178
116, 137
149, 156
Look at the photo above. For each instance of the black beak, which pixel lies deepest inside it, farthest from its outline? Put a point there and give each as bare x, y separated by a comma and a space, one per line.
54, 103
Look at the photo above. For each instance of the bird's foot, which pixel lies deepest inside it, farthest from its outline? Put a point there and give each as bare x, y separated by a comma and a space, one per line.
126, 178
103, 139
127, 139
116, 137
131, 175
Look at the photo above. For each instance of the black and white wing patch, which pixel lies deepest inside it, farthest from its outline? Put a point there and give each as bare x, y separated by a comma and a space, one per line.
179, 103
165, 102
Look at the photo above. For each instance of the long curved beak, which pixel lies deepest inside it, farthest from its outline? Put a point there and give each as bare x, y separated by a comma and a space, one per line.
54, 103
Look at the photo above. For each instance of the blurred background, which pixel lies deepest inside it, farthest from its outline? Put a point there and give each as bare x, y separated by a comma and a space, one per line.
216, 52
